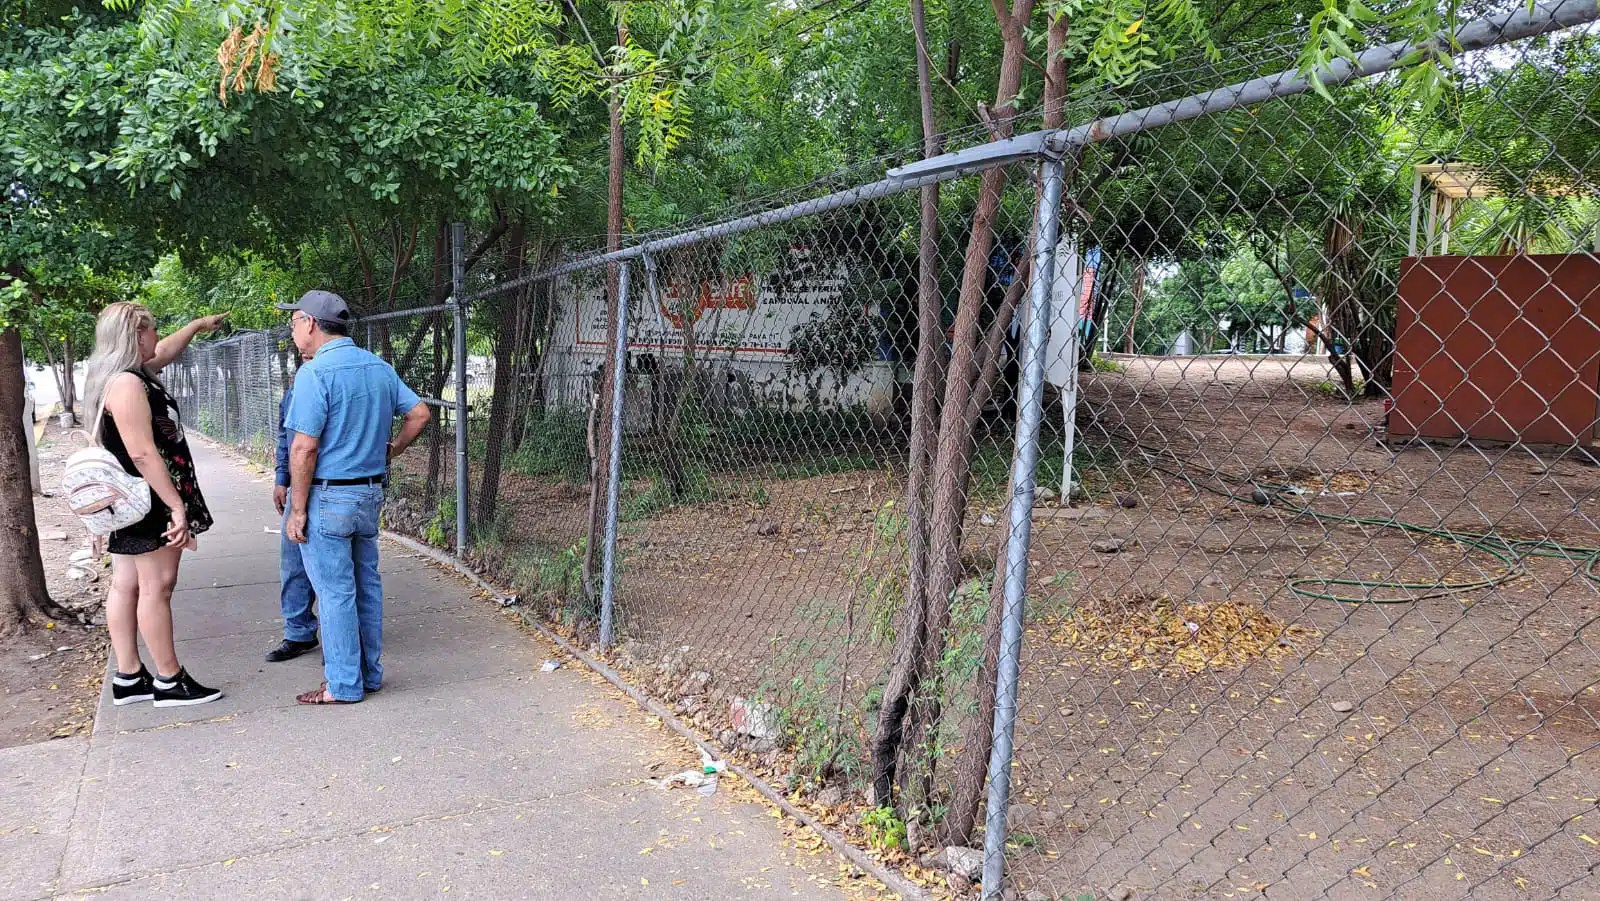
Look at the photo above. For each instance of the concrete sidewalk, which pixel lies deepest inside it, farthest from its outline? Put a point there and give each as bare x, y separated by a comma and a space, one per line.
471, 774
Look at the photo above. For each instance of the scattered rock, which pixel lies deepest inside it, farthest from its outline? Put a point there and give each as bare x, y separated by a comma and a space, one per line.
52, 536
1121, 893
81, 556
726, 738
832, 796
958, 883
1046, 494
752, 718
80, 573
963, 862
696, 683
1022, 816
1109, 545
1212, 580
914, 836
1036, 895
1128, 501
986, 519
1342, 706
1260, 495
1538, 470
767, 528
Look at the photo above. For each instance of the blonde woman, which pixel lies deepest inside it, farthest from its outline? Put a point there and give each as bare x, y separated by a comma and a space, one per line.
140, 426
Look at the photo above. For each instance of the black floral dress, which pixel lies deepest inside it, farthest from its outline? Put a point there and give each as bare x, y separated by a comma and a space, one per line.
145, 535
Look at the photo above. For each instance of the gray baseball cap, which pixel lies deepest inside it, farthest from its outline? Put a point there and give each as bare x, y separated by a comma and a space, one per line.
323, 306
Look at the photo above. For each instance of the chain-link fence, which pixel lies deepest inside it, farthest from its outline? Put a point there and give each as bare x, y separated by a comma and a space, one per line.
229, 389
1308, 387
232, 389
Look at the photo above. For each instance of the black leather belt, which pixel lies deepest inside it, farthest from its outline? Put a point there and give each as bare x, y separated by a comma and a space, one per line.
336, 483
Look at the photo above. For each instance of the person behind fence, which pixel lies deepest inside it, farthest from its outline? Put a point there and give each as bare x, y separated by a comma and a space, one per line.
140, 425
295, 595
342, 413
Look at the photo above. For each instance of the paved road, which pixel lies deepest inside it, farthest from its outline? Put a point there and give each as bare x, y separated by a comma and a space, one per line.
471, 775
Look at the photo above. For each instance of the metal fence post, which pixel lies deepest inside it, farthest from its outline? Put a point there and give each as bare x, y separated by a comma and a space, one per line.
1030, 409
458, 291
619, 361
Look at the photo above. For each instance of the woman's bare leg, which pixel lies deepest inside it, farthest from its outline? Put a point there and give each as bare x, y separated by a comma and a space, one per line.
122, 603
158, 572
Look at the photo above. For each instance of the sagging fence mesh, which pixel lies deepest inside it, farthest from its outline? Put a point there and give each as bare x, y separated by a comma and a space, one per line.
1311, 604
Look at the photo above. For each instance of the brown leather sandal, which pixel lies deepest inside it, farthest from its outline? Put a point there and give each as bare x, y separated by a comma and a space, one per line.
320, 696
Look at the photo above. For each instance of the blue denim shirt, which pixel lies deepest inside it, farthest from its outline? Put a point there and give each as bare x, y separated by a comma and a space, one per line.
283, 440
348, 399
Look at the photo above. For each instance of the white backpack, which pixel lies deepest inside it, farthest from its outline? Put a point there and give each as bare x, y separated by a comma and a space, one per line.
100, 491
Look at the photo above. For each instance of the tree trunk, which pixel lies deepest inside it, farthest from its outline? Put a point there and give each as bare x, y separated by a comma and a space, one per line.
1340, 240
23, 594
51, 360
601, 463
442, 352
505, 314
927, 378
524, 354
532, 396
1137, 292
441, 282
69, 385
912, 687
972, 765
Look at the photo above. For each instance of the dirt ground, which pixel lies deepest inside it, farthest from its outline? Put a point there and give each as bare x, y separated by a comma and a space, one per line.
1435, 749
1438, 748
50, 679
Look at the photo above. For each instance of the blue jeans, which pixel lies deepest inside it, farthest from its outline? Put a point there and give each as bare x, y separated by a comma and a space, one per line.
341, 557
294, 591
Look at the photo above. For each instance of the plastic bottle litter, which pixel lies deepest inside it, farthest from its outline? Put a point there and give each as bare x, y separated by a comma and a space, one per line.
550, 666
704, 779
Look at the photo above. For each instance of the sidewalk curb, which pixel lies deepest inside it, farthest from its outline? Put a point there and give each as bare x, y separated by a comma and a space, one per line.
893, 881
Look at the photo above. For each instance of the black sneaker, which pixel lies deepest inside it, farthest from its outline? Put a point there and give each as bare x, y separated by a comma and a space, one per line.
290, 650
183, 691
132, 689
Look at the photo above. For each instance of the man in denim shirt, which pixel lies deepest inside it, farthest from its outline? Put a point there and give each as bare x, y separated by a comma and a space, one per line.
295, 596
342, 413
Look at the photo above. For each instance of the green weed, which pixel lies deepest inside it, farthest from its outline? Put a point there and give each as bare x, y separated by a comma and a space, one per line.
554, 447
823, 727
885, 830
557, 576
441, 527
1101, 364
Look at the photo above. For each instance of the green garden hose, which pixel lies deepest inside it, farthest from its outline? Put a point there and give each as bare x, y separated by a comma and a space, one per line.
1510, 553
